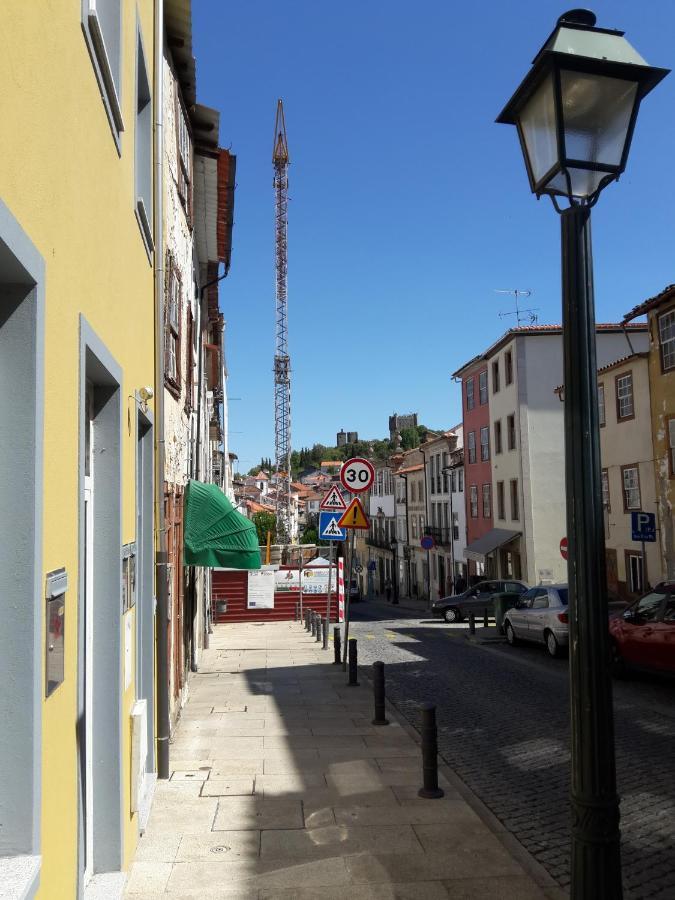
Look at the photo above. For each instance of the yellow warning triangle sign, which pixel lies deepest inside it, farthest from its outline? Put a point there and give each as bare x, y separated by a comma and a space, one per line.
354, 516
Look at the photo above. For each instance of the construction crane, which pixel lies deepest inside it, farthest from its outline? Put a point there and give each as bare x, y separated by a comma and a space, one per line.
282, 361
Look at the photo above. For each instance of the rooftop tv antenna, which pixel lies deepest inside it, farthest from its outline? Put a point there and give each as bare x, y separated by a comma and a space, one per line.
523, 316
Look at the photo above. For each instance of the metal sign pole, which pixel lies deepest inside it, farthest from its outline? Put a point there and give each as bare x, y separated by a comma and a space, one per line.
330, 572
300, 577
643, 586
348, 591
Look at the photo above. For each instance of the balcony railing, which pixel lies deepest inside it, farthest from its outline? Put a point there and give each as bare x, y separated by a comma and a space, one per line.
377, 541
442, 536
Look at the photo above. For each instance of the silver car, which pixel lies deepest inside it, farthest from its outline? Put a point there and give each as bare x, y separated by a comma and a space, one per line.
540, 615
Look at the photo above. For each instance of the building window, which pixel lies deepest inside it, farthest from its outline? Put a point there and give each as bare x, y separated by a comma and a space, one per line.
102, 26
667, 339
432, 476
438, 473
453, 481
487, 501
472, 446
624, 396
455, 526
172, 327
485, 443
143, 144
184, 159
500, 500
495, 376
631, 487
601, 404
498, 436
515, 512
473, 499
469, 394
482, 388
460, 481
414, 526
508, 367
422, 523
445, 473
190, 362
605, 491
511, 431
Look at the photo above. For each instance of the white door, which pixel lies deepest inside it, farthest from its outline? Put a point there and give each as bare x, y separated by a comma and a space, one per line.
88, 630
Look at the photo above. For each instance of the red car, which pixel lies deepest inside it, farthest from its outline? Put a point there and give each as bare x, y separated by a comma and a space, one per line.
643, 636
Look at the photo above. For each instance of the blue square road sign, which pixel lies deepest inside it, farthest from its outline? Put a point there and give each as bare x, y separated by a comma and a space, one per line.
329, 530
643, 526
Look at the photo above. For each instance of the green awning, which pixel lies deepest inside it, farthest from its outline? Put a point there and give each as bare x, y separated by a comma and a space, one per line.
215, 533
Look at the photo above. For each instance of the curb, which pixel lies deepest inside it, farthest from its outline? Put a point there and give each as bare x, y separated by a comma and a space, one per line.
511, 844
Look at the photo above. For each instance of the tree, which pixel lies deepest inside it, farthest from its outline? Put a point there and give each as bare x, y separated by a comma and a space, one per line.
410, 438
309, 536
264, 522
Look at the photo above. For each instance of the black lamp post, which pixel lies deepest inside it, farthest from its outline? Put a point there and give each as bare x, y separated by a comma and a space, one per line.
575, 112
394, 549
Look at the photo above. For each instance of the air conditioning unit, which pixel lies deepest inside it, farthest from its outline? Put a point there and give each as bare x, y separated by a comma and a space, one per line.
139, 751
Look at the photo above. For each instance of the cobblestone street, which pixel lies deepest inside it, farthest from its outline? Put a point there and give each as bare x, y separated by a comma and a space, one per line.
503, 728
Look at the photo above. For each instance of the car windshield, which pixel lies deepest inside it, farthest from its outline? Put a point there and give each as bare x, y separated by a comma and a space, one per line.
562, 593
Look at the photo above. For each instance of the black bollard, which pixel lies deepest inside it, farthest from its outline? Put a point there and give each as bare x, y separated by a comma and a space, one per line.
430, 790
352, 663
313, 624
319, 626
337, 648
324, 632
378, 694
307, 612
472, 623
485, 619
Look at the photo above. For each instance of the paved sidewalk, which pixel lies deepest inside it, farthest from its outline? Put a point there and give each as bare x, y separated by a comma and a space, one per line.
281, 788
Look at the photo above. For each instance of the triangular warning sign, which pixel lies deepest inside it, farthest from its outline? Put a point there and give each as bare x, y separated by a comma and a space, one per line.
332, 529
333, 500
354, 516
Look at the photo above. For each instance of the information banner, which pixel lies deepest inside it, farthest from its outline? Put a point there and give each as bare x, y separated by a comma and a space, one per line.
314, 580
261, 589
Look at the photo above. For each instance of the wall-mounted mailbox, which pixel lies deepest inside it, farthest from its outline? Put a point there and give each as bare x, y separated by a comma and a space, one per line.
55, 598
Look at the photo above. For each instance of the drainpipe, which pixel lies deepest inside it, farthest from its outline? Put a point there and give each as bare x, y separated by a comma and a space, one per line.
161, 586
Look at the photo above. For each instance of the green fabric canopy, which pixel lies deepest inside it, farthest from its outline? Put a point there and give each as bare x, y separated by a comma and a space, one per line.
215, 533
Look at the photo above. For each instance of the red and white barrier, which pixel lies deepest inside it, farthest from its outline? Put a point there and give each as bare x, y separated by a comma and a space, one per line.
341, 589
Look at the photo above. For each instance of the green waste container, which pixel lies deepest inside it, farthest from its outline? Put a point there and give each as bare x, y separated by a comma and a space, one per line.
500, 603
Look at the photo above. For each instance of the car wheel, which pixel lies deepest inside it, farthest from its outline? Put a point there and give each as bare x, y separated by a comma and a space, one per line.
510, 634
451, 615
618, 666
552, 644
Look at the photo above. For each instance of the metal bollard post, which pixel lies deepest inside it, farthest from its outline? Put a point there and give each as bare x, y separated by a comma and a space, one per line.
307, 619
319, 626
337, 648
378, 693
352, 663
472, 623
430, 789
313, 620
324, 632
485, 619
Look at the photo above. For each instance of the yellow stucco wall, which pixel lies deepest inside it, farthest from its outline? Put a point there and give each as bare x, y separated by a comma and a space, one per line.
662, 385
64, 181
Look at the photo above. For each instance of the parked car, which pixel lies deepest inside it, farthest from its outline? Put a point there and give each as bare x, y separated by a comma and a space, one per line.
540, 615
643, 636
476, 599
354, 591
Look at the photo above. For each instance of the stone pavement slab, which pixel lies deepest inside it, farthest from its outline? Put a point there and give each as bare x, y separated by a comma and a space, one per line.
281, 788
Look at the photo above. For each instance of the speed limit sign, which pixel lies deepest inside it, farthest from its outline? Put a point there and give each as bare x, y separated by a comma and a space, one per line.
357, 474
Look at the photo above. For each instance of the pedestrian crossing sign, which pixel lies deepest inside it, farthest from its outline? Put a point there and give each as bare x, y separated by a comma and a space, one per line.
333, 500
329, 529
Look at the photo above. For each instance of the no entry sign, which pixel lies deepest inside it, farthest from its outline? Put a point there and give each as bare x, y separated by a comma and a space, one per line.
563, 548
357, 474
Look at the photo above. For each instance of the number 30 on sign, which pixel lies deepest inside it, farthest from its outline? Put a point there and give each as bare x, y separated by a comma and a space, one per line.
357, 474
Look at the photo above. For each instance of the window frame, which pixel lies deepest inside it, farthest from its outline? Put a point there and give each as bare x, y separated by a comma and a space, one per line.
630, 509
470, 395
498, 436
617, 378
471, 446
666, 312
514, 500
606, 498
602, 409
485, 444
508, 367
473, 501
483, 387
628, 555
487, 496
501, 509
173, 330
184, 169
100, 54
495, 377
511, 432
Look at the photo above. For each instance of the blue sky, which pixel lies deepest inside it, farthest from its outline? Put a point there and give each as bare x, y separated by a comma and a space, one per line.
409, 206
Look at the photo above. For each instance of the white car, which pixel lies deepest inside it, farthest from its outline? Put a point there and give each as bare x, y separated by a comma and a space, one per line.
540, 615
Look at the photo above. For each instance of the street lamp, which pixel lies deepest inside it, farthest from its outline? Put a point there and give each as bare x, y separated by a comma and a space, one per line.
575, 112
394, 549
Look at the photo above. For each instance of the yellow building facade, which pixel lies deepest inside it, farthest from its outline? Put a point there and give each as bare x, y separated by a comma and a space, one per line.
77, 351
